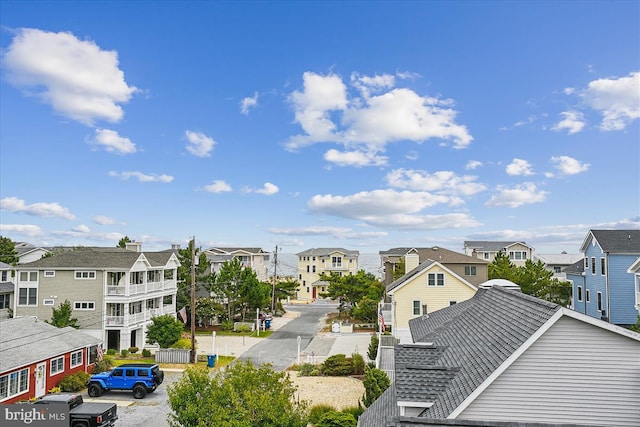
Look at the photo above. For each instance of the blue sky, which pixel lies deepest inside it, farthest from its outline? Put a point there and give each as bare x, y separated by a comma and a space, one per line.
363, 125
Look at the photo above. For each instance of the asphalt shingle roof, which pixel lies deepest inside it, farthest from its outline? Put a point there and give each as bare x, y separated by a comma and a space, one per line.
382, 409
618, 241
26, 340
327, 251
490, 246
442, 255
98, 258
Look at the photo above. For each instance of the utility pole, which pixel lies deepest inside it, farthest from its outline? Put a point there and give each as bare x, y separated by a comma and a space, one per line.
193, 300
275, 279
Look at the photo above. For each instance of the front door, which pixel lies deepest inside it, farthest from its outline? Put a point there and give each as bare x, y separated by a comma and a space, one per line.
315, 290
41, 379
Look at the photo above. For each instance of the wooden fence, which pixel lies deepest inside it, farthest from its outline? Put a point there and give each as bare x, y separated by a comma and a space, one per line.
173, 355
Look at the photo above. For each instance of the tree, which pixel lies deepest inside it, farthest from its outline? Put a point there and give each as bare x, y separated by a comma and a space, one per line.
61, 316
239, 396
207, 308
636, 327
398, 269
202, 270
372, 351
502, 267
286, 288
375, 383
165, 330
337, 419
352, 289
122, 243
8, 253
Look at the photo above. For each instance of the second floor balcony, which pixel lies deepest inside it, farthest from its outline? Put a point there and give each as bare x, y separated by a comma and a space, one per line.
143, 316
142, 288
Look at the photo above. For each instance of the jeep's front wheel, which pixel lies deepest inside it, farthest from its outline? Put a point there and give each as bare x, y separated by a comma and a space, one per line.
139, 391
94, 390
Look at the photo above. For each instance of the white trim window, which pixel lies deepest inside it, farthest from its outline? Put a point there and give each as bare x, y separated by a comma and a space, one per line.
85, 275
593, 265
84, 305
49, 273
14, 384
5, 301
56, 366
579, 293
518, 255
470, 270
27, 296
435, 279
48, 301
599, 300
28, 276
588, 295
76, 358
417, 306
603, 266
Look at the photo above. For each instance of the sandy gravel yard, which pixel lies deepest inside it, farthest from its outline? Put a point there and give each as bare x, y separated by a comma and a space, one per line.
339, 392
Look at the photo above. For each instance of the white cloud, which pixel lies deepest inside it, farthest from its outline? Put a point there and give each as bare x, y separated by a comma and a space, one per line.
568, 165
519, 167
81, 229
268, 189
573, 122
617, 99
218, 186
199, 144
372, 121
103, 220
472, 165
142, 177
248, 102
78, 79
441, 181
517, 196
28, 230
13, 204
354, 158
424, 222
337, 232
114, 143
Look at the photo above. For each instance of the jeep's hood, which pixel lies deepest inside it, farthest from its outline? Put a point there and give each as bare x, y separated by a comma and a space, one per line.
100, 376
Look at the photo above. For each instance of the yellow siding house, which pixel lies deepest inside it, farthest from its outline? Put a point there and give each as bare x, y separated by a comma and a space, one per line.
423, 290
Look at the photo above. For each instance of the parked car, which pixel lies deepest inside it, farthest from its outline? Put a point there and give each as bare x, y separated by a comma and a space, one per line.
83, 414
141, 378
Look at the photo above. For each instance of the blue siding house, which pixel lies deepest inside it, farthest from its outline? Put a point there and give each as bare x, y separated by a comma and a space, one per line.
575, 275
609, 289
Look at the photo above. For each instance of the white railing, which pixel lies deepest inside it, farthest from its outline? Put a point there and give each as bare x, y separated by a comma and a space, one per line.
114, 321
154, 286
115, 290
168, 309
137, 289
137, 318
637, 299
170, 284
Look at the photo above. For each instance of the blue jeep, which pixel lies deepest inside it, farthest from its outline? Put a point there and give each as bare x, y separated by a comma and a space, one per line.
142, 378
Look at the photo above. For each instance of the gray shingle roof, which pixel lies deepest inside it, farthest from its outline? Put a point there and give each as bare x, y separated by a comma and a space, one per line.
98, 258
444, 256
327, 251
400, 280
428, 422
231, 250
7, 287
26, 340
617, 241
575, 268
382, 409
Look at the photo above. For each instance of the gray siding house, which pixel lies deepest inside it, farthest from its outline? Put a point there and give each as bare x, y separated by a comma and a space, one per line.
114, 292
506, 358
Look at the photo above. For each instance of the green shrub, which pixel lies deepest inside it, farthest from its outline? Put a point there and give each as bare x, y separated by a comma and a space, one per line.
309, 370
337, 365
182, 343
356, 411
337, 419
133, 350
103, 365
226, 325
111, 352
146, 353
74, 382
372, 351
317, 411
244, 328
357, 363
375, 383
124, 352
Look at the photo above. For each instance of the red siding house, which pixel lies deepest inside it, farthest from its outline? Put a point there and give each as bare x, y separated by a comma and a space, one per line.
35, 356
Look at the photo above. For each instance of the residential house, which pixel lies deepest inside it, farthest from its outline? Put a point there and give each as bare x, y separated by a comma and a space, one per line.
429, 287
36, 356
635, 270
557, 263
579, 294
27, 252
114, 292
609, 286
6, 290
517, 251
314, 262
472, 269
506, 358
255, 258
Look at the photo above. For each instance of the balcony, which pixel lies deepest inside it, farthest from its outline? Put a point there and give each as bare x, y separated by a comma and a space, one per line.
141, 288
638, 300
132, 319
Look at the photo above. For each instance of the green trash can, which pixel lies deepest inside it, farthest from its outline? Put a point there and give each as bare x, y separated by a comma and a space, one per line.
211, 360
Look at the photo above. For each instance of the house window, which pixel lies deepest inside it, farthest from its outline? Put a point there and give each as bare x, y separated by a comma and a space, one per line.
28, 276
486, 255
599, 301
593, 265
48, 302
336, 261
579, 293
307, 289
314, 258
308, 268
14, 384
85, 275
416, 308
28, 296
586, 263
435, 279
452, 303
4, 276
313, 269
557, 269
299, 276
49, 273
76, 358
518, 255
5, 300
84, 305
424, 309
56, 365
469, 270
603, 266
588, 295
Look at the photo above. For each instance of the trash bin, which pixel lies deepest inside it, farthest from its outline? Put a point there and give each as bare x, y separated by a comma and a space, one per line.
211, 360
267, 323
